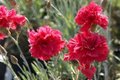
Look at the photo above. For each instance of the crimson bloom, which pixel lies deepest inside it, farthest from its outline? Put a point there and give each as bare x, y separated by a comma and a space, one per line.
45, 42
87, 47
10, 19
91, 15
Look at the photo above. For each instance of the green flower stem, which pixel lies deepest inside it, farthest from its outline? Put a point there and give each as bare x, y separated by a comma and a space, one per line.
77, 74
21, 53
28, 24
95, 77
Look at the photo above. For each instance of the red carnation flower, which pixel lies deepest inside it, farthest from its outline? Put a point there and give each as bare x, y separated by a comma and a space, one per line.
87, 70
45, 42
87, 47
9, 18
91, 15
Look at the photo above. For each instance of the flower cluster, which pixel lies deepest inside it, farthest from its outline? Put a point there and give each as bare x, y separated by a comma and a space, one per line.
87, 46
45, 42
10, 19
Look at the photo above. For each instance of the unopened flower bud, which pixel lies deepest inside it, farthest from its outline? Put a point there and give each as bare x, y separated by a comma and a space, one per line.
14, 60
3, 50
13, 3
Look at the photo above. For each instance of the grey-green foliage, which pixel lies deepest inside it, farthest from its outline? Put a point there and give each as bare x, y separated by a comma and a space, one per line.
41, 73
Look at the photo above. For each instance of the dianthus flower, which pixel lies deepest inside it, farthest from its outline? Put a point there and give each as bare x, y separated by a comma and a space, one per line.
87, 47
45, 42
87, 70
10, 19
91, 15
